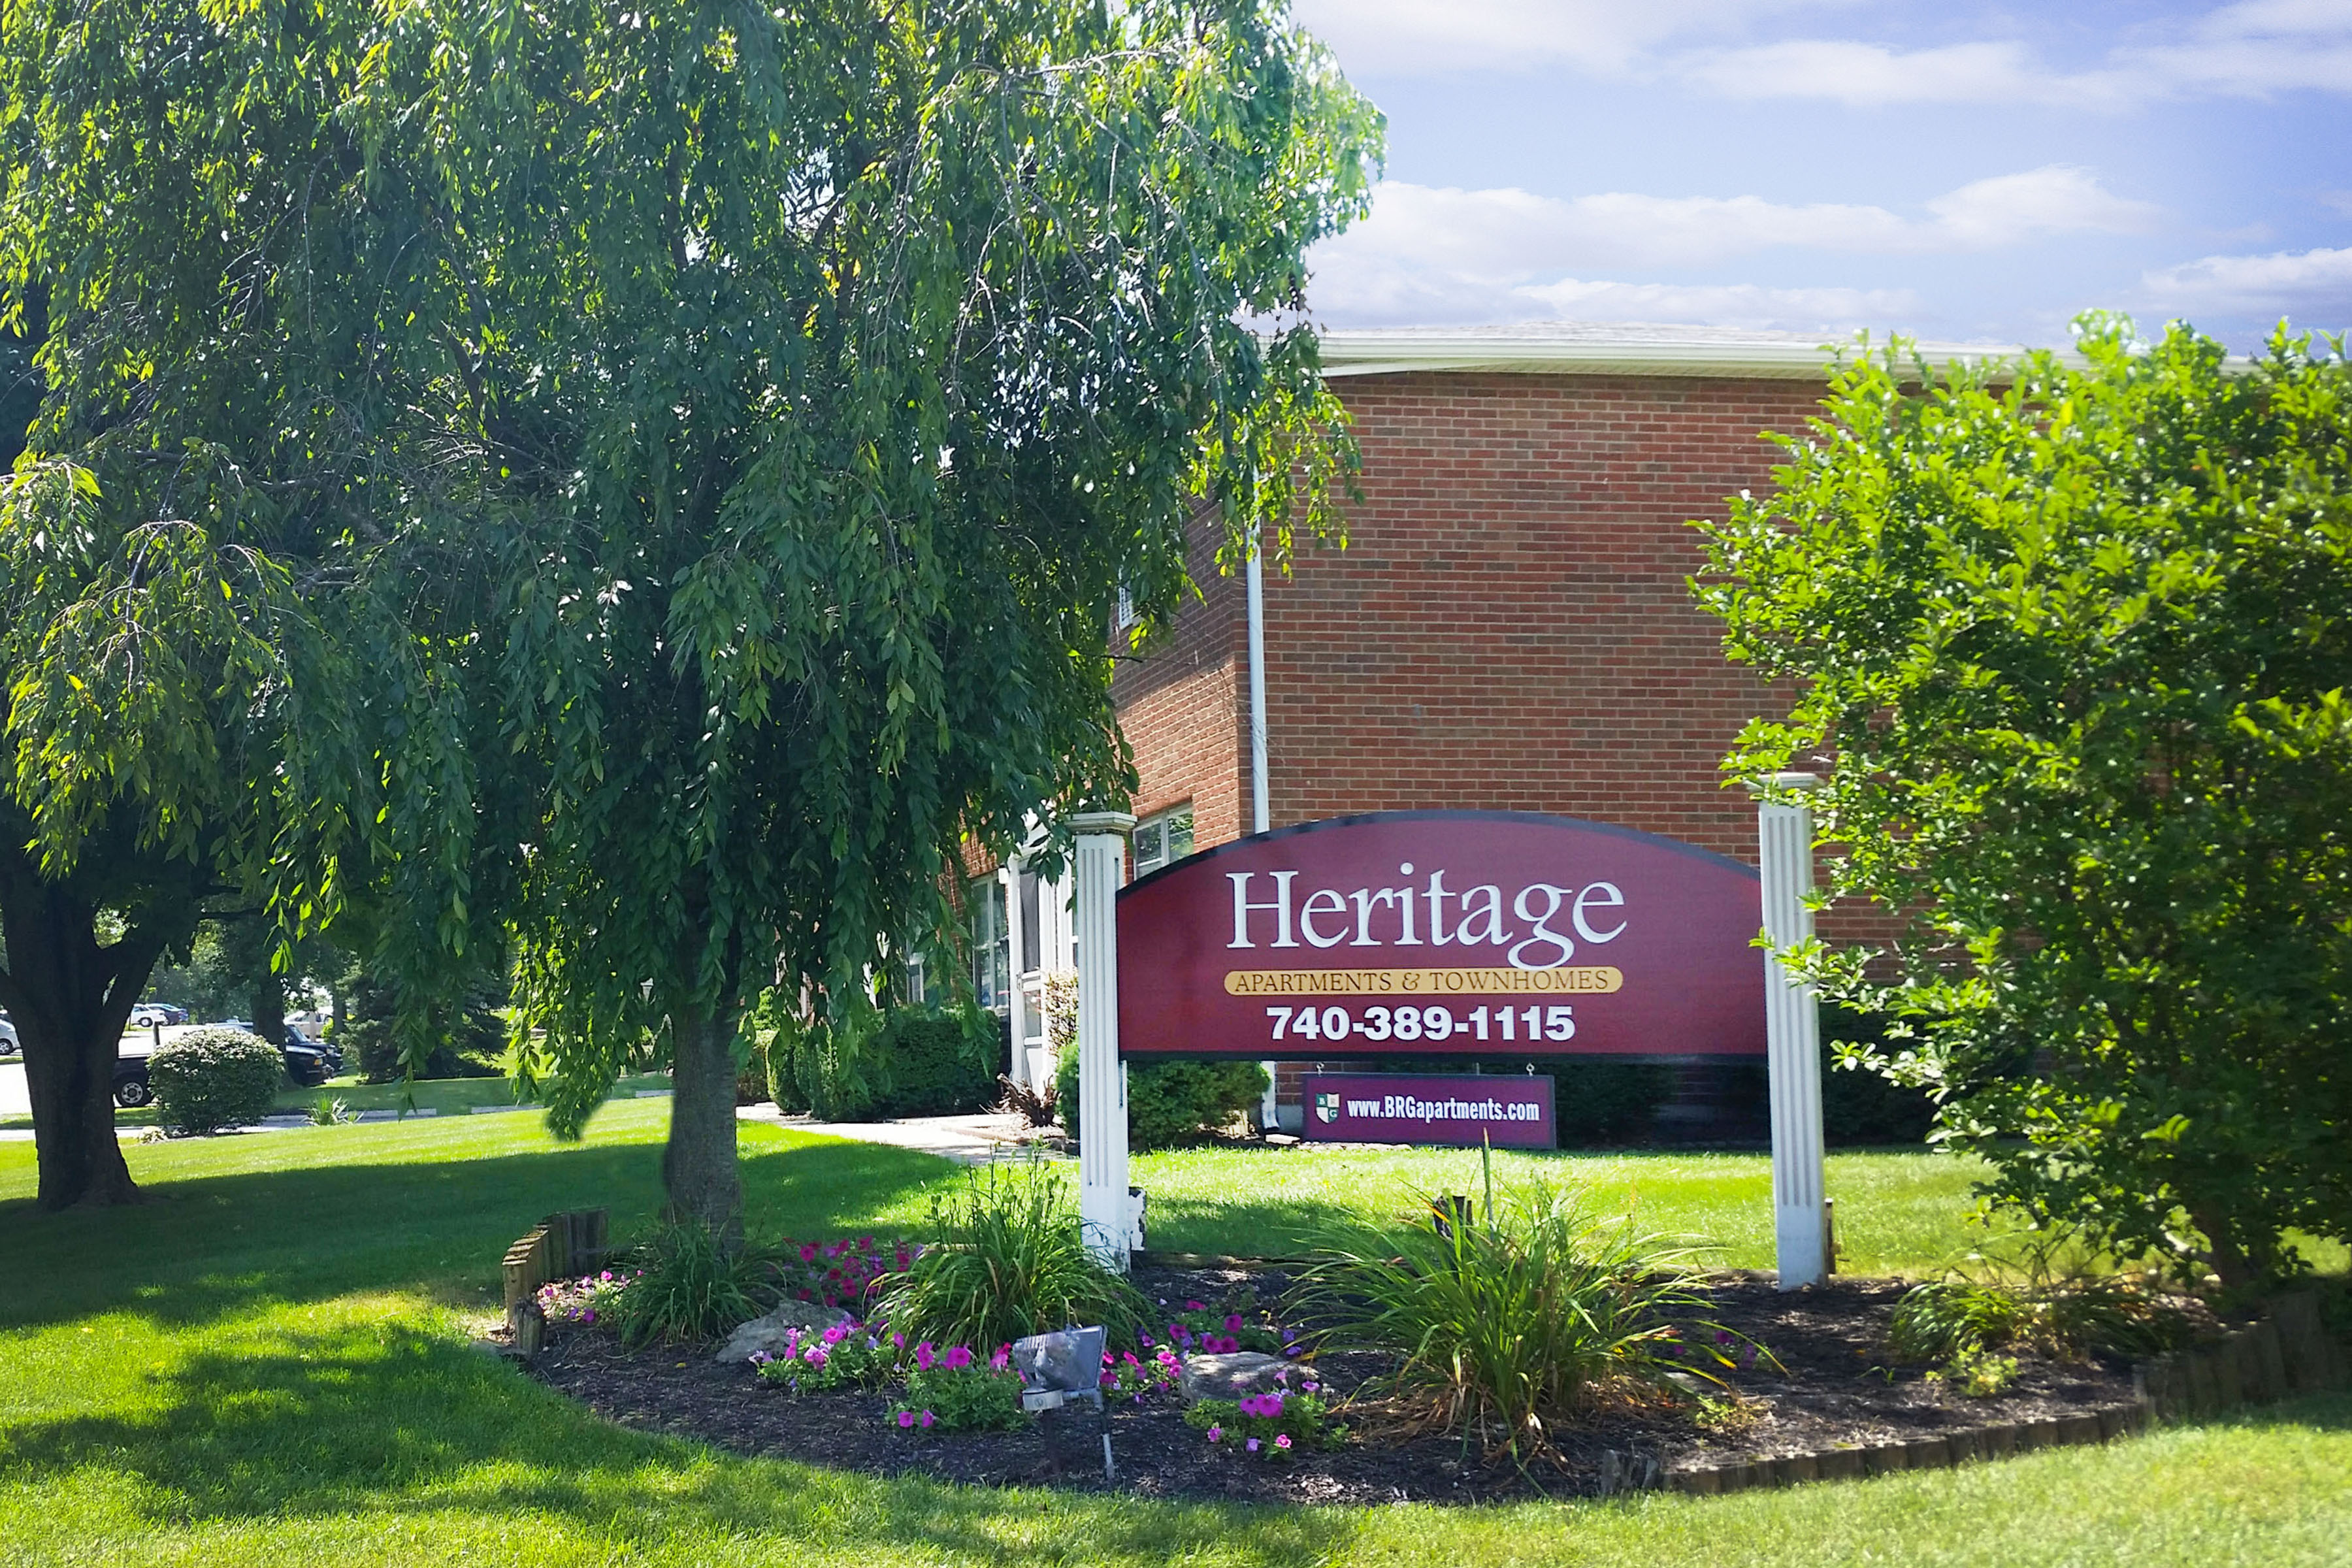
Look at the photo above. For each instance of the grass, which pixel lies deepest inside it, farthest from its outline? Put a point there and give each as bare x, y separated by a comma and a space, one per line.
268, 1364
1897, 1213
443, 1097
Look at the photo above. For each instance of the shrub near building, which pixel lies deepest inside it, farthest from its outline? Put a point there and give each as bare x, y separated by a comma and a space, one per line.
209, 1080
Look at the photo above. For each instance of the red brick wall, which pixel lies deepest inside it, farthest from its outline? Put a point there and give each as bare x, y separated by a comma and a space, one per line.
1510, 626
1183, 705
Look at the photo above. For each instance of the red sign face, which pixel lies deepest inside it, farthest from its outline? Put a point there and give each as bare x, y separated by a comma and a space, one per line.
1428, 933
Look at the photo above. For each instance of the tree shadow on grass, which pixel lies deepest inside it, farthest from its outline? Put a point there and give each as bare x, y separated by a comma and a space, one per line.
374, 1420
206, 1247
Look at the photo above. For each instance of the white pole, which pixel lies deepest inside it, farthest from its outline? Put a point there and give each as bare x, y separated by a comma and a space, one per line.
1016, 961
1106, 1216
1792, 1037
1261, 812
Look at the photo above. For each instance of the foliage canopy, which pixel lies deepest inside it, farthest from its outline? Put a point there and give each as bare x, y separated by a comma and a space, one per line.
653, 481
2072, 647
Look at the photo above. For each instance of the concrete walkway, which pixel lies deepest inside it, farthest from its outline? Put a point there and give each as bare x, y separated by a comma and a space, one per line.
967, 1140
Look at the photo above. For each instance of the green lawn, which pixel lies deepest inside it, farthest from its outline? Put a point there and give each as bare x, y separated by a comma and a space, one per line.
443, 1097
268, 1364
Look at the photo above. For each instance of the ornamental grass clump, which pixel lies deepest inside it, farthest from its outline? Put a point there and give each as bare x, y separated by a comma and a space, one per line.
1006, 1261
688, 1285
1512, 1323
2043, 1289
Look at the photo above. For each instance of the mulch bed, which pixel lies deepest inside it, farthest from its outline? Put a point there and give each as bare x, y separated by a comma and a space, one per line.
1836, 1386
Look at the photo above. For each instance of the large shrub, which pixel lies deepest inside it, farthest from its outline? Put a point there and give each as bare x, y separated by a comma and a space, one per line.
1171, 1104
906, 1061
210, 1079
2076, 641
1006, 1260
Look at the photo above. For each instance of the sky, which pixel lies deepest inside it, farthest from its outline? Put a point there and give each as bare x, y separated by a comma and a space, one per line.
1957, 170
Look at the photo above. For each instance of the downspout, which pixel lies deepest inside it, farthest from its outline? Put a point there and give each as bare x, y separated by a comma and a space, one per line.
1261, 813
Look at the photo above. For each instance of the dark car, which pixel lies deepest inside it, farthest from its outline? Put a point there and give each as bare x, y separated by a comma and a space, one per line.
131, 1088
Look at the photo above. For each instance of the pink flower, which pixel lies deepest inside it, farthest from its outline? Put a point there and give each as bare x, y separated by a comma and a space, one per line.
1215, 1433
925, 1422
1195, 1307
957, 1359
836, 1334
998, 1361
1282, 1441
1233, 1323
923, 1356
808, 1252
906, 1418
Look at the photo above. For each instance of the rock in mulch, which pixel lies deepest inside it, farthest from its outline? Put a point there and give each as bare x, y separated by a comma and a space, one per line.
771, 1334
1230, 1374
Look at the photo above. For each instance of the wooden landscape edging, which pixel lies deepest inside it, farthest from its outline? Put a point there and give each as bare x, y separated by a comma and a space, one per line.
560, 1247
2286, 1353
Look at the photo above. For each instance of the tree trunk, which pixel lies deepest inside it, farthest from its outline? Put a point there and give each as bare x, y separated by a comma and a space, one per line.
269, 1006
70, 998
699, 1170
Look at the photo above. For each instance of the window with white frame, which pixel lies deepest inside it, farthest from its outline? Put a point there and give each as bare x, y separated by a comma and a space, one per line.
992, 942
1163, 839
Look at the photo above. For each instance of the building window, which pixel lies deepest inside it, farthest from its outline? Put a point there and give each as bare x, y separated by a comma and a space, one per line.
913, 987
992, 943
1164, 839
1032, 928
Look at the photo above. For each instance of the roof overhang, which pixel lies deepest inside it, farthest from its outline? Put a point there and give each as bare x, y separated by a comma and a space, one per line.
1694, 353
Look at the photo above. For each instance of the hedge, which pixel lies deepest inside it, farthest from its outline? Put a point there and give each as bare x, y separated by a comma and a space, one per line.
210, 1079
1170, 1103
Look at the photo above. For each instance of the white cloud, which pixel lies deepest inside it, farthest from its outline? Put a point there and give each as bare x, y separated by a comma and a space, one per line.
1871, 76
2301, 284
1510, 234
1422, 37
1832, 310
2251, 50
1436, 255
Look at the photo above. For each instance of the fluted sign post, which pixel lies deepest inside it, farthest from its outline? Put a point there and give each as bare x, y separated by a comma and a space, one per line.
1784, 829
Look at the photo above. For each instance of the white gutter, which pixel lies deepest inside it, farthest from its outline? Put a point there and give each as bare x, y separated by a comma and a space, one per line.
1599, 352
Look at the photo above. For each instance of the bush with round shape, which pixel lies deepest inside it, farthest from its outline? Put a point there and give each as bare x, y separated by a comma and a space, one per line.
211, 1078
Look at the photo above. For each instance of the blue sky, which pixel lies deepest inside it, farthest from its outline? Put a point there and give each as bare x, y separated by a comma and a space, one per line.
1957, 170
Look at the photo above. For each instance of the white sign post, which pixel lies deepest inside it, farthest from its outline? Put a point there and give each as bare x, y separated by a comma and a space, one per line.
1792, 1039
1105, 1211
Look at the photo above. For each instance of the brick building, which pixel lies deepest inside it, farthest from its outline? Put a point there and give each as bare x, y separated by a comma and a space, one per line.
1510, 626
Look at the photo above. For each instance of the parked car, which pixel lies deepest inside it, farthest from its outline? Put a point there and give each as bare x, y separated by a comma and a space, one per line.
131, 1088
149, 1013
9, 1044
308, 1062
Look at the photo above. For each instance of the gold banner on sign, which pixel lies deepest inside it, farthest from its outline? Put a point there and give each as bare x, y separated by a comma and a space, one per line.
1582, 981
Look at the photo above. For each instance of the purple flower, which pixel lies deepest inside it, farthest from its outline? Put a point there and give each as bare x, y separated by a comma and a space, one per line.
1233, 1323
1195, 1307
1148, 1340
906, 1418
808, 1252
1253, 1445
923, 1356
836, 1334
957, 1359
925, 1422
1215, 1433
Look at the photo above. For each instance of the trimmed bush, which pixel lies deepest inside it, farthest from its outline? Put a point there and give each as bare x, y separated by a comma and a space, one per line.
1171, 1104
214, 1078
910, 1061
1859, 1106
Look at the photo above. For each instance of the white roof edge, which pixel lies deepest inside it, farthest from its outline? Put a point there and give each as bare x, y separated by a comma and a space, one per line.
1351, 353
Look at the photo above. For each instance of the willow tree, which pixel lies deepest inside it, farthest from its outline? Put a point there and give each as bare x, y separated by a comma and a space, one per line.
786, 396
